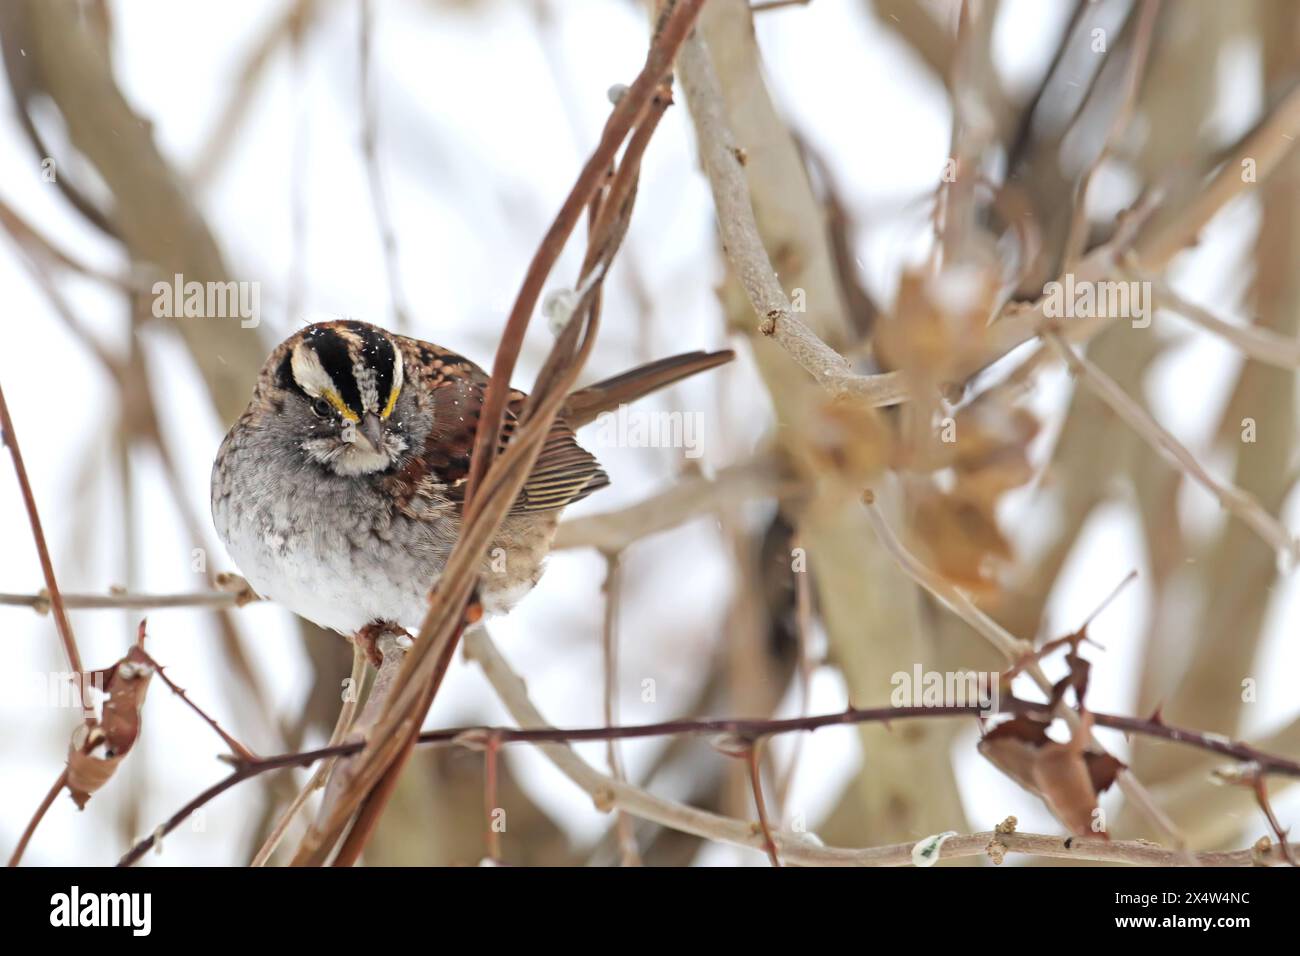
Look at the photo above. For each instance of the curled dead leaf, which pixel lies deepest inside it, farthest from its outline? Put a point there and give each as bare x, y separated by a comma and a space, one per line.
1065, 776
937, 324
100, 744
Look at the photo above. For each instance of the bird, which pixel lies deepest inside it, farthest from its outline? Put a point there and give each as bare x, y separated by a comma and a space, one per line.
339, 492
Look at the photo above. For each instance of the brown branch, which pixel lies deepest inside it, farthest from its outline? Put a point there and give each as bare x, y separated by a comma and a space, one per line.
608, 793
37, 817
1266, 146
899, 854
392, 648
912, 22
745, 730
9, 437
625, 114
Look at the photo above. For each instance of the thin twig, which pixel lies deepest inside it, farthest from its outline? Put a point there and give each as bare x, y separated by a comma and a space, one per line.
215, 600
9, 437
1260, 343
241, 753
29, 237
1013, 648
756, 785
1237, 502
690, 498
1077, 235
37, 817
609, 644
1260, 788
953, 597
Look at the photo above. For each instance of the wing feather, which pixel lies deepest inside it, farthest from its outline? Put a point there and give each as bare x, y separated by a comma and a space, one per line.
564, 472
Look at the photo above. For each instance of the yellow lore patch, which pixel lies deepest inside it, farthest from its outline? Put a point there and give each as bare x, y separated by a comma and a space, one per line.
392, 400
336, 400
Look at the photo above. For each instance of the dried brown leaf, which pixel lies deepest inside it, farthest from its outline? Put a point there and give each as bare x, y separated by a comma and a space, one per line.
1063, 775
99, 745
962, 539
845, 439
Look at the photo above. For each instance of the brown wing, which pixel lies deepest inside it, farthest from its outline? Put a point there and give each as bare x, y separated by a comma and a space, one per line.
565, 472
455, 387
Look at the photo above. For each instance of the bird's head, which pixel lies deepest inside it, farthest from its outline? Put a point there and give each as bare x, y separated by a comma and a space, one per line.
337, 394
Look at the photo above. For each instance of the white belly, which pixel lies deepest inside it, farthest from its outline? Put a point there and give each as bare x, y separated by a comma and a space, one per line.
338, 579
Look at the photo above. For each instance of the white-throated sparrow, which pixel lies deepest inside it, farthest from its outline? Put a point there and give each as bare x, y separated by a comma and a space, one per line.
339, 490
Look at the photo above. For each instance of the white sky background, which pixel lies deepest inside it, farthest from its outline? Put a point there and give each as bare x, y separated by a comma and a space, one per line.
482, 130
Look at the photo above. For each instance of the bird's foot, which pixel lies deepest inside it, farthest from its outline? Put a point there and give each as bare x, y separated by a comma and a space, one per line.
368, 639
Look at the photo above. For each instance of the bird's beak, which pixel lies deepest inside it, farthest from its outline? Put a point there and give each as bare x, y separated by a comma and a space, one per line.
373, 428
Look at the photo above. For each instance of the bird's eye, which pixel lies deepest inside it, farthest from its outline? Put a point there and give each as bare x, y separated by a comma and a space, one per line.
322, 408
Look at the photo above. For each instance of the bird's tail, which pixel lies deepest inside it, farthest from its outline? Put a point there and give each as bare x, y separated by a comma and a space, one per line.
585, 404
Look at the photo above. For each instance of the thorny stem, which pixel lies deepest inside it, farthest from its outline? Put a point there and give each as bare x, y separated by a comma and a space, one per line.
241, 753
1013, 648
749, 730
